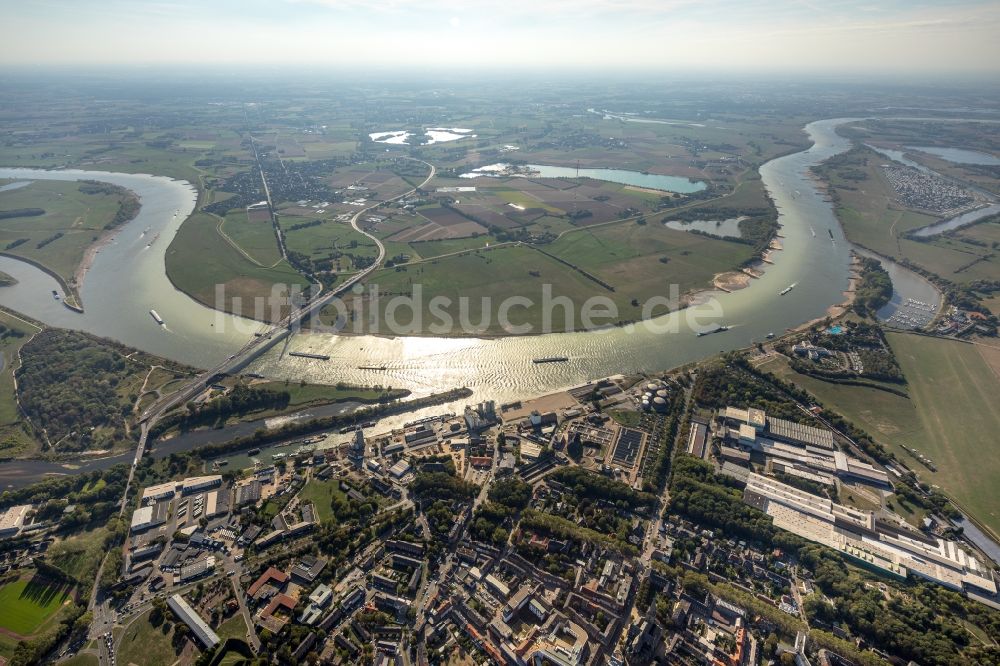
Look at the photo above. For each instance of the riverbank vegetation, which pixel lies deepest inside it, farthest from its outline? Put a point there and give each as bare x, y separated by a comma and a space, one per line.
244, 401
873, 289
15, 435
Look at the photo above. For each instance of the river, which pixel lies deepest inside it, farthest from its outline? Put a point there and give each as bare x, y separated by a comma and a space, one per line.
128, 279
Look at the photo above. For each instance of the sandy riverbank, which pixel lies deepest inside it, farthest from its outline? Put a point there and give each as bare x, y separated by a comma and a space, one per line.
76, 282
731, 281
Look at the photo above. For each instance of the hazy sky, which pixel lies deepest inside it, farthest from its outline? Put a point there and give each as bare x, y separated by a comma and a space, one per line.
932, 36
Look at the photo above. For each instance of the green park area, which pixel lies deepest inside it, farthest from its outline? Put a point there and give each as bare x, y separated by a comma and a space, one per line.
52, 223
143, 643
234, 627
79, 555
322, 494
949, 416
28, 602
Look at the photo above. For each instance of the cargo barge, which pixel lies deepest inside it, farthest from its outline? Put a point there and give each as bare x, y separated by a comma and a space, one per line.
318, 357
717, 329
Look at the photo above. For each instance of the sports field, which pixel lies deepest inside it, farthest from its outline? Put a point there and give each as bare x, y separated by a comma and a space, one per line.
26, 603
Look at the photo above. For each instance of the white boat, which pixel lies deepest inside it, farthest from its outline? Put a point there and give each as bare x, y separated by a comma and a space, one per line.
787, 289
156, 317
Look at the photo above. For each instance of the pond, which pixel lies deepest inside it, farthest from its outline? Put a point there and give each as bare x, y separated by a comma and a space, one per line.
650, 181
728, 228
959, 155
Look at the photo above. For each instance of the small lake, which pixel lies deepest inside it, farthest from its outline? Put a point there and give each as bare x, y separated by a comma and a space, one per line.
16, 185
432, 135
634, 178
957, 222
959, 155
729, 228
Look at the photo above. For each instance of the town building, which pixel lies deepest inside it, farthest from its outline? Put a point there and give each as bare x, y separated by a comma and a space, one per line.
208, 638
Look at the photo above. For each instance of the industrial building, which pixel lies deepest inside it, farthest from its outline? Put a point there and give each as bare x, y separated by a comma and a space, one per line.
865, 539
815, 463
159, 492
188, 616
149, 516
196, 483
697, 438
248, 493
746, 420
400, 469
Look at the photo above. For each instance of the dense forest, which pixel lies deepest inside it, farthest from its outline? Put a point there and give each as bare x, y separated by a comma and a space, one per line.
68, 386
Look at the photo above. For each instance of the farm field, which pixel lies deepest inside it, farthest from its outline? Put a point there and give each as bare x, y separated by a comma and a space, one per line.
77, 217
954, 392
642, 261
28, 602
331, 243
638, 261
199, 258
253, 232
